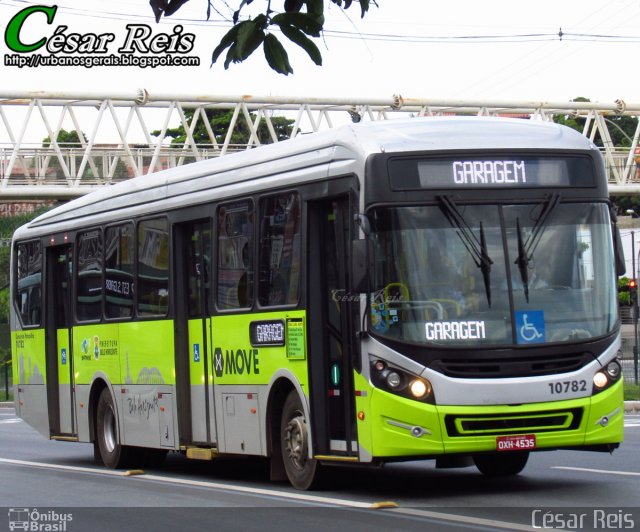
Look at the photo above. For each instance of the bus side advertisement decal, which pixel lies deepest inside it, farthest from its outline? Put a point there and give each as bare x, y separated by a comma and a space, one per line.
249, 349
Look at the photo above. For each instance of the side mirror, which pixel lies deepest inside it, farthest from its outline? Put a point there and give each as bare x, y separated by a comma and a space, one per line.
360, 254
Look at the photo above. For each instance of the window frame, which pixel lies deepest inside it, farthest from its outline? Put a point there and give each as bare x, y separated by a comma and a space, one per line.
76, 275
120, 224
16, 292
252, 242
301, 249
137, 315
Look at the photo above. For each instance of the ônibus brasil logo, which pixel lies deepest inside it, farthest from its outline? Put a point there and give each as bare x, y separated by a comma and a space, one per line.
139, 47
38, 520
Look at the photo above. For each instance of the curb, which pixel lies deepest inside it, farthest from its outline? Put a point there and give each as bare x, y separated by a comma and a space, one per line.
632, 407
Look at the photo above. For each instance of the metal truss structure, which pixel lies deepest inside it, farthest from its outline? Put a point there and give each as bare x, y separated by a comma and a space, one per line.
117, 143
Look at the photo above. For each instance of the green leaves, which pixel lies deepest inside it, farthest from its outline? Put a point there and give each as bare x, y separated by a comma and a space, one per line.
242, 40
364, 5
300, 20
311, 24
276, 55
295, 35
245, 37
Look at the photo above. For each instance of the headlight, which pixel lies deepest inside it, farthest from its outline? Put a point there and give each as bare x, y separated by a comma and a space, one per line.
400, 382
419, 388
614, 369
600, 380
607, 376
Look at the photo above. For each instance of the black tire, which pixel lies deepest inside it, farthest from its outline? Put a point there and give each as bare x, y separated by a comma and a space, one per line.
503, 464
113, 454
303, 472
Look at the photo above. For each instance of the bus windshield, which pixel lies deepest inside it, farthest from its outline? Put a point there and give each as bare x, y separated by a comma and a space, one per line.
457, 275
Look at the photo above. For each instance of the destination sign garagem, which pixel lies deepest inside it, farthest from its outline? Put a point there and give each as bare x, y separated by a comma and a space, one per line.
487, 172
267, 333
497, 171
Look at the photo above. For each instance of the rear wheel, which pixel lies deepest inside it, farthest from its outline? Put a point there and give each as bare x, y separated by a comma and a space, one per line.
113, 454
501, 464
302, 471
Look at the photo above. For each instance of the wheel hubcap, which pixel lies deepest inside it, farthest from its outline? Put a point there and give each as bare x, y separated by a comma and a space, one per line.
296, 442
109, 430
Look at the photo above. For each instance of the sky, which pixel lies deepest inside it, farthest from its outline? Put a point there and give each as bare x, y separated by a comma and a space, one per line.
493, 50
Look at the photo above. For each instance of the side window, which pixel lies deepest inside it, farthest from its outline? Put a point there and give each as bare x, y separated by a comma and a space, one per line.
235, 255
89, 280
198, 259
153, 268
119, 271
28, 292
279, 250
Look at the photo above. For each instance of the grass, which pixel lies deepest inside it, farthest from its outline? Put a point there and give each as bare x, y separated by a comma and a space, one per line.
631, 392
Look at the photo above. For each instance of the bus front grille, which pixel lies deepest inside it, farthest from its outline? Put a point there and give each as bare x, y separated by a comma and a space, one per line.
504, 424
475, 368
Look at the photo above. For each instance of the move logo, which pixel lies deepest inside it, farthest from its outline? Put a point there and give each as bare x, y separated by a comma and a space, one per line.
235, 362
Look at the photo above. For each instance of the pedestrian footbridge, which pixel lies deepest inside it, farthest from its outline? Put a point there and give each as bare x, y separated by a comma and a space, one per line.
127, 135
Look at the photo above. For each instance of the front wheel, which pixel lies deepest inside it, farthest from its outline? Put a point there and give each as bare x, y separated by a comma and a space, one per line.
503, 464
302, 471
113, 454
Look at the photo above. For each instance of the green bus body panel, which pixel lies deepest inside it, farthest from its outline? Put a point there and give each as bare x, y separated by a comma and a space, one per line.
236, 361
96, 349
386, 430
28, 356
126, 353
147, 352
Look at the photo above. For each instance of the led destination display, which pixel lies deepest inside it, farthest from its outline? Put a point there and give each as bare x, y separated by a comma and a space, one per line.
495, 171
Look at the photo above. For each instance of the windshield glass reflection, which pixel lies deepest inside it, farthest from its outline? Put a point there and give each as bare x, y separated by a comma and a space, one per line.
455, 275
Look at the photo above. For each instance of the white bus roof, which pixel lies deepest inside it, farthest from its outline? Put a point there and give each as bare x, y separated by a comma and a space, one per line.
306, 158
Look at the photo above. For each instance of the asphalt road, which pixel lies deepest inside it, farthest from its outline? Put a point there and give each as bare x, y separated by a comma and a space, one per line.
57, 486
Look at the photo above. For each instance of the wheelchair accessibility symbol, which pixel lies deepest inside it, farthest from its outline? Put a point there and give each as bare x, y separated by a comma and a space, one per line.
530, 326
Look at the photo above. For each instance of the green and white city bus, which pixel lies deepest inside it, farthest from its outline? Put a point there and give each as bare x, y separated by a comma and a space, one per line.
438, 288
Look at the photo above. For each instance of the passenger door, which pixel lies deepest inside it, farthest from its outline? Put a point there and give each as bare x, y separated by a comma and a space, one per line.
194, 377
59, 359
330, 327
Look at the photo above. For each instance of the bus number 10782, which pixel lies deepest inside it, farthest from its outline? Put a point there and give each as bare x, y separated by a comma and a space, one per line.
567, 386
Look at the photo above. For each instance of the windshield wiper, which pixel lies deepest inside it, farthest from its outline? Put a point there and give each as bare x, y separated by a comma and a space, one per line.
526, 249
476, 248
523, 262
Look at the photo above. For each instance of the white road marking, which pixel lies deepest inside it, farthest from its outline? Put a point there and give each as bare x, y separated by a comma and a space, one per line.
303, 497
602, 471
10, 420
464, 519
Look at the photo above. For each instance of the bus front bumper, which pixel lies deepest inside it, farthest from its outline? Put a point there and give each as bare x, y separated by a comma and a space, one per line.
394, 427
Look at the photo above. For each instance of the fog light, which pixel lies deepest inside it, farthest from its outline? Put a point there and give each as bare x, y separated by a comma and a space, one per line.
419, 389
600, 379
393, 379
614, 370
